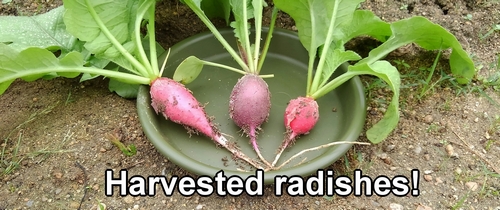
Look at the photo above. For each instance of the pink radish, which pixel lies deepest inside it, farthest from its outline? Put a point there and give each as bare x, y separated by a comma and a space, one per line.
250, 98
301, 115
177, 104
249, 106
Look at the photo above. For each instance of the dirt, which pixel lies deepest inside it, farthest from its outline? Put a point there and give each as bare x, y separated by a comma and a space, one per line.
54, 133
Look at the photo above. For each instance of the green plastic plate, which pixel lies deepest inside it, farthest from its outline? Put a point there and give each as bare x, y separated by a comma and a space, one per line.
342, 111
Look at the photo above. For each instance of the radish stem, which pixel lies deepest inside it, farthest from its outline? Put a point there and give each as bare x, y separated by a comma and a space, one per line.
143, 8
152, 41
268, 39
142, 70
326, 47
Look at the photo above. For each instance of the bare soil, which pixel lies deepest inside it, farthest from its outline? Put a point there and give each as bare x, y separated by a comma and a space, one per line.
54, 133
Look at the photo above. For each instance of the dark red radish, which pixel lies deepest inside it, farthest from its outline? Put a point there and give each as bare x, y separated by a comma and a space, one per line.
249, 106
178, 104
301, 115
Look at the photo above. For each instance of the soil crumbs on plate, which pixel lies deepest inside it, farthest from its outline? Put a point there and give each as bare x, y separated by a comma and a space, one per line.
55, 148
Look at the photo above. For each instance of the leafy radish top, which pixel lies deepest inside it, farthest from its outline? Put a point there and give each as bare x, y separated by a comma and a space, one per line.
250, 57
324, 26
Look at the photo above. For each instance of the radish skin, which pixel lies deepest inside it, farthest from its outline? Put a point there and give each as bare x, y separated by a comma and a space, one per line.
177, 103
249, 106
301, 115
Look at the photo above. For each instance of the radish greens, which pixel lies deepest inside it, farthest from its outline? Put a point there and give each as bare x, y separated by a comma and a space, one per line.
345, 22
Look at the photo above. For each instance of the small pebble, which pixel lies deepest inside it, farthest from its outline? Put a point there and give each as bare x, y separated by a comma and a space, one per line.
471, 185
382, 156
395, 206
449, 150
485, 115
427, 157
417, 149
390, 147
487, 135
305, 201
458, 171
428, 119
102, 150
199, 206
58, 175
35, 99
393, 168
375, 204
428, 177
476, 120
58, 190
439, 180
136, 206
74, 205
428, 172
317, 202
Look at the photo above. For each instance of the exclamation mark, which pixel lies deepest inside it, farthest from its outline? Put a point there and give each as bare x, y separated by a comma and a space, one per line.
415, 179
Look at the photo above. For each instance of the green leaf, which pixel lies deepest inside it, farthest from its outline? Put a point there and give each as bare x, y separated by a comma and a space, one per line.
429, 36
217, 8
188, 70
34, 63
311, 17
334, 59
124, 90
364, 22
118, 18
45, 31
115, 15
385, 71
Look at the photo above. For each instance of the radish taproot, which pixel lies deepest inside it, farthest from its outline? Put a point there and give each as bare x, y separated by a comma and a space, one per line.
250, 98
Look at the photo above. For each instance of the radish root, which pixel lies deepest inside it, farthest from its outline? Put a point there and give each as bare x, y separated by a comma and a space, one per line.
314, 149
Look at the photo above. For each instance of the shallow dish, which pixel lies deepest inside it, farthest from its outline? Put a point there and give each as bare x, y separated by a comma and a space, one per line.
342, 111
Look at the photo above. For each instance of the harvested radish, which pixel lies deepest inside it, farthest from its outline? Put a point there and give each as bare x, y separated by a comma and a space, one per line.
327, 43
301, 115
177, 104
249, 106
250, 99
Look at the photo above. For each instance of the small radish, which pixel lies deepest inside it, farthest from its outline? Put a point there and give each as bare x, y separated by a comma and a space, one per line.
301, 115
249, 106
177, 104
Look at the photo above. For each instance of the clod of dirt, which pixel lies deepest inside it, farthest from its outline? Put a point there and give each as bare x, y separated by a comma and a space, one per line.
471, 185
428, 177
449, 150
428, 119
